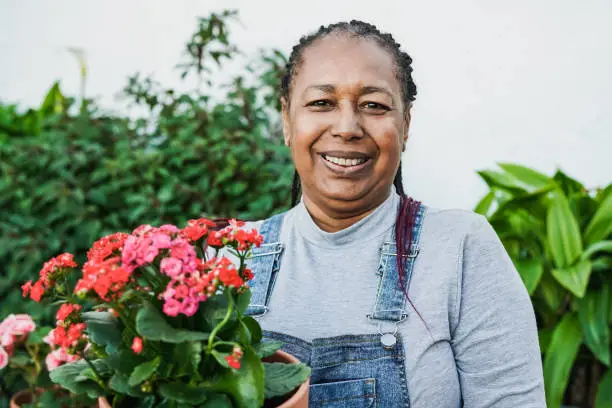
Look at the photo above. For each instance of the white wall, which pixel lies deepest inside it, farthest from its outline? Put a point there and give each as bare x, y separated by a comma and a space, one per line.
523, 81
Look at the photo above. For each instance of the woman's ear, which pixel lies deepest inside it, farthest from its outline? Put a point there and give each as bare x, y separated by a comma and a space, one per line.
285, 113
407, 118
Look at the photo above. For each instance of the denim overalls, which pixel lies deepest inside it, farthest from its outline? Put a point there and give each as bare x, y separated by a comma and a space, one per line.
349, 371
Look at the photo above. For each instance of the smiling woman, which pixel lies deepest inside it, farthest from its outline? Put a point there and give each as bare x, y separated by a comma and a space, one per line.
392, 303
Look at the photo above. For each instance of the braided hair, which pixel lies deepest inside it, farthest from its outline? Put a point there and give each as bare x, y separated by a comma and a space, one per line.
409, 208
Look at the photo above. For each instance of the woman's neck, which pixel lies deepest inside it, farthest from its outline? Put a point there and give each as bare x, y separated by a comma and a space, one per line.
335, 218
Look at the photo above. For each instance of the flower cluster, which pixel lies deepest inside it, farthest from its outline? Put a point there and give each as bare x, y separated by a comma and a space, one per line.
13, 330
197, 229
234, 236
49, 274
106, 278
233, 360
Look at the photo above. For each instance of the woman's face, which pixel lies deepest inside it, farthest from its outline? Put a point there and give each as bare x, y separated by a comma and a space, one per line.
345, 123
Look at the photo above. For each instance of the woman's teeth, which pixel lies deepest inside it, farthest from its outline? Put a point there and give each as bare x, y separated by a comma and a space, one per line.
344, 162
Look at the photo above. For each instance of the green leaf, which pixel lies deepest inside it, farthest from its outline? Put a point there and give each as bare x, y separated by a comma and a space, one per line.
574, 278
103, 329
282, 378
218, 401
600, 246
559, 359
188, 357
37, 336
600, 226
501, 180
544, 337
150, 323
67, 376
253, 328
485, 204
242, 301
246, 385
124, 361
144, 371
604, 391
564, 238
531, 271
529, 178
593, 314
119, 383
220, 357
184, 393
267, 348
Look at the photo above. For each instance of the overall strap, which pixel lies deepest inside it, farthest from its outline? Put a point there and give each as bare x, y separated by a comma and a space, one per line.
390, 299
264, 262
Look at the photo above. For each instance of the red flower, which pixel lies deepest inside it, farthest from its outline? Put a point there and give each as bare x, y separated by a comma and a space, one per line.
196, 229
232, 361
37, 291
215, 239
25, 288
227, 273
248, 274
137, 345
107, 246
106, 278
66, 310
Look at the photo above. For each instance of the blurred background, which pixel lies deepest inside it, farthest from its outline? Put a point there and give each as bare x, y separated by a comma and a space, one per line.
115, 113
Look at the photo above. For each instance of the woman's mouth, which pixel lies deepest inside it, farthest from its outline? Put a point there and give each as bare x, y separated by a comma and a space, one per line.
345, 164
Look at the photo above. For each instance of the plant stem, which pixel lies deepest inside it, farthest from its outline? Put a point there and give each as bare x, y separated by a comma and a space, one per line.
230, 309
95, 371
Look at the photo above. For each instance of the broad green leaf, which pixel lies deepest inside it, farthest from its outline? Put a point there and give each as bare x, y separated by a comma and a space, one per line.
180, 392
600, 226
246, 385
600, 246
568, 185
604, 391
531, 271
501, 180
150, 323
574, 278
544, 336
593, 314
124, 361
242, 301
188, 357
220, 357
253, 328
559, 359
485, 204
531, 179
37, 336
67, 377
144, 371
103, 329
564, 238
267, 348
282, 378
119, 383
217, 401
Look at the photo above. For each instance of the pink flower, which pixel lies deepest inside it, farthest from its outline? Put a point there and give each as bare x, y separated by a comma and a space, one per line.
58, 357
23, 324
182, 250
161, 240
172, 307
189, 307
171, 267
169, 229
4, 358
52, 361
182, 291
7, 340
137, 345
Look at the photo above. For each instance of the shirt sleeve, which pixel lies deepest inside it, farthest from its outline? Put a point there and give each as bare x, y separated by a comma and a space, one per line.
495, 339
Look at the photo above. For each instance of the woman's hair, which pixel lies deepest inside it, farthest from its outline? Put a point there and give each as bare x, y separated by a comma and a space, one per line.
409, 208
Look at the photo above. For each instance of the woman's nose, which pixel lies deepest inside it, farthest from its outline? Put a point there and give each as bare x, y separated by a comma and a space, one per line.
347, 123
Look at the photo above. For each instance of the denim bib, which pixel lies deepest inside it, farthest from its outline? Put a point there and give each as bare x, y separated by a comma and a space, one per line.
350, 371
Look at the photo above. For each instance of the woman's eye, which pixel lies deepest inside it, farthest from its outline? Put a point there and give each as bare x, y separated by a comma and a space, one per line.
321, 103
375, 106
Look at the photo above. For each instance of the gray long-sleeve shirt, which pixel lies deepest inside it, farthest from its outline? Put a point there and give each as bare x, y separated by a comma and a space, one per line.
480, 344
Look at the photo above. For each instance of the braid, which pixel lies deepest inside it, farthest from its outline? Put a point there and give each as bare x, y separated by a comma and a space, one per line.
408, 208
360, 29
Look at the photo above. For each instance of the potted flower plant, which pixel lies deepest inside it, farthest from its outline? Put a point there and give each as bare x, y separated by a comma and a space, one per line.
156, 319
26, 357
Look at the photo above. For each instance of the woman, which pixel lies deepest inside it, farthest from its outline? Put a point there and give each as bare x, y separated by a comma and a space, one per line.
452, 323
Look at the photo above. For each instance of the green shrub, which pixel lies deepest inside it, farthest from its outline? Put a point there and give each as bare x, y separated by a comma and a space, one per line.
69, 178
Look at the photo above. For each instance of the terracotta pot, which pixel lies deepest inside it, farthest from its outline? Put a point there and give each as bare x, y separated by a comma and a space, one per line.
23, 397
299, 398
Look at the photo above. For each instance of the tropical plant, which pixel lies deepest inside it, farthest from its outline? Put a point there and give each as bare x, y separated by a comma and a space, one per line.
559, 236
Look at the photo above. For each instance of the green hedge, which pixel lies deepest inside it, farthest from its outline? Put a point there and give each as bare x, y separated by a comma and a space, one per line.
69, 177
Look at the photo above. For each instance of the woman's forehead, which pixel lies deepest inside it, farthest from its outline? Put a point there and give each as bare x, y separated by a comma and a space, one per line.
346, 62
